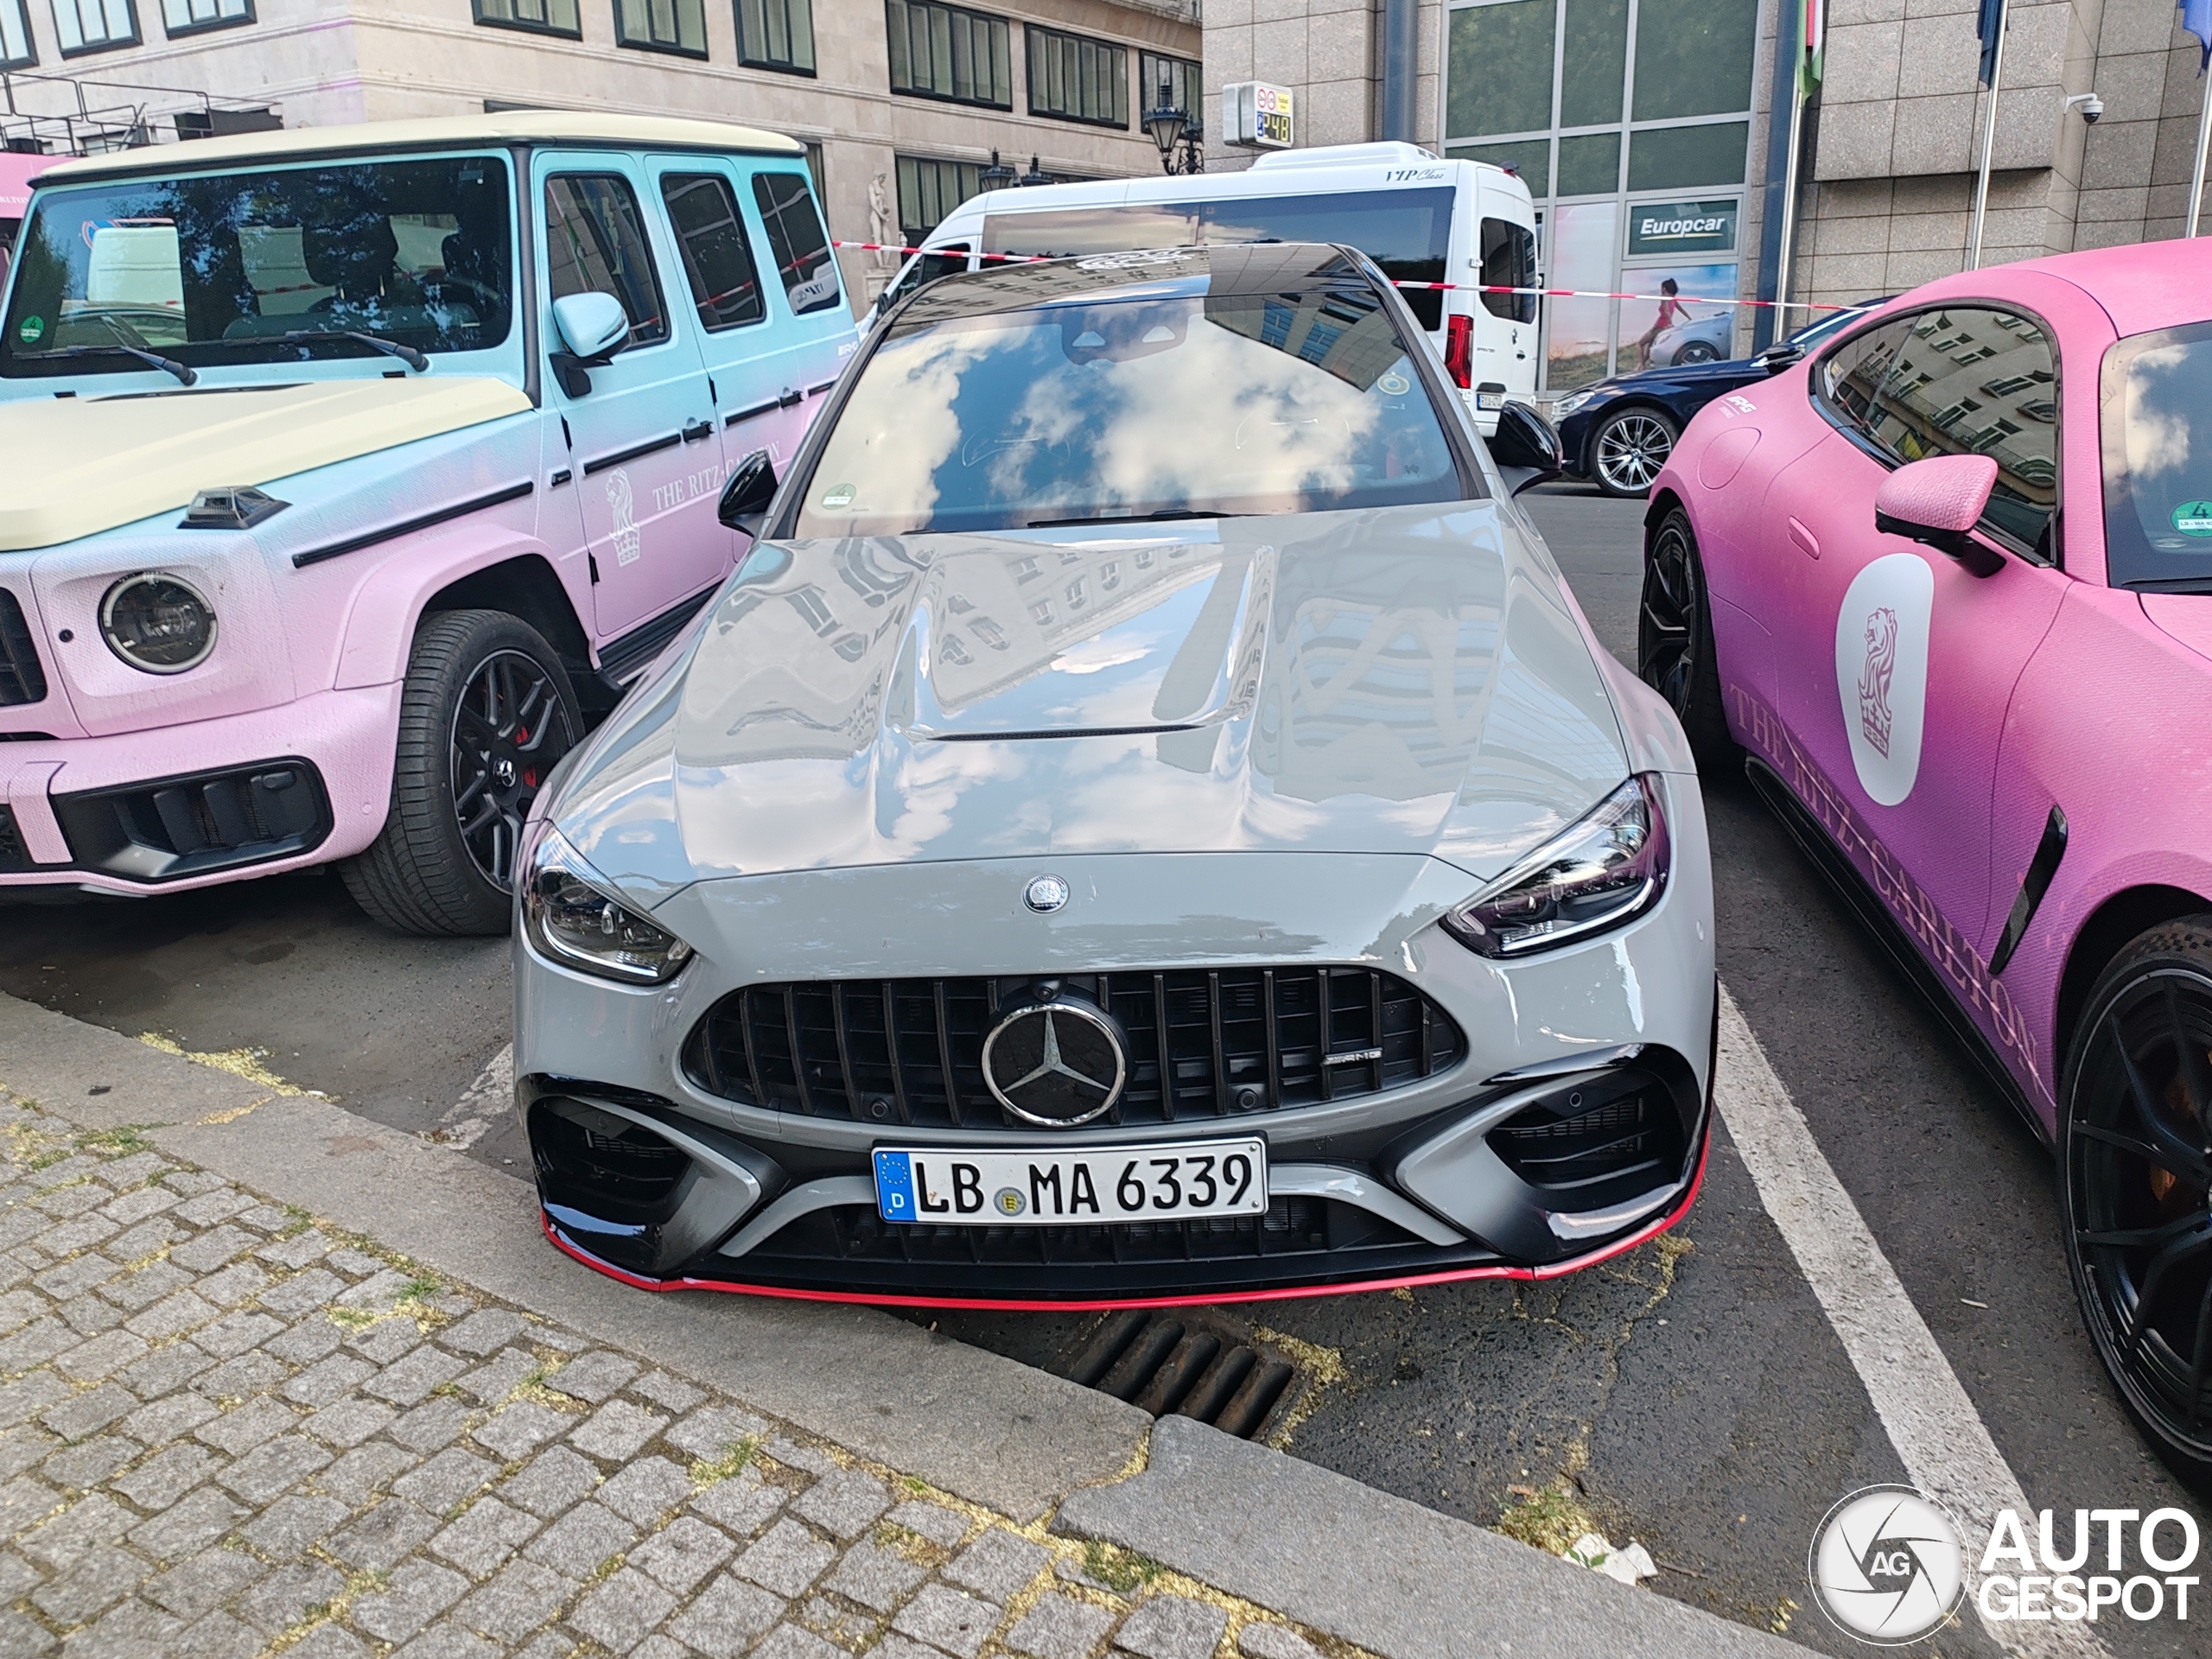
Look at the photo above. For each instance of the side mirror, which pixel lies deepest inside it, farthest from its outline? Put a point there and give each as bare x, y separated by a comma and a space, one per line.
1937, 502
592, 328
1525, 444
1779, 356
745, 500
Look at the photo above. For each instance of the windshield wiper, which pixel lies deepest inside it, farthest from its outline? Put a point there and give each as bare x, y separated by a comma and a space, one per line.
407, 354
152, 359
1132, 519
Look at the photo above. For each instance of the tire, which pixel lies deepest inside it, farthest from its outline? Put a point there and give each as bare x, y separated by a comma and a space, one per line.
2135, 1183
1630, 447
1697, 352
486, 712
1674, 641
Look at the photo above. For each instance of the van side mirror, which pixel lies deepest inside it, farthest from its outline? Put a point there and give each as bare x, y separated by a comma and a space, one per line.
592, 328
745, 500
1937, 502
1525, 448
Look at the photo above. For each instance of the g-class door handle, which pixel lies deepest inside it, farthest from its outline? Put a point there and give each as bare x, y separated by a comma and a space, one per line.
694, 430
789, 398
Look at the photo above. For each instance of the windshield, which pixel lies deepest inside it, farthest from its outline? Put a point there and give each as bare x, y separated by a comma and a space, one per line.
1406, 232
220, 269
2157, 409
1156, 408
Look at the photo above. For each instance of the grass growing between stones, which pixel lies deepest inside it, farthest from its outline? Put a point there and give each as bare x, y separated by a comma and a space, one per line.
1550, 1520
736, 1457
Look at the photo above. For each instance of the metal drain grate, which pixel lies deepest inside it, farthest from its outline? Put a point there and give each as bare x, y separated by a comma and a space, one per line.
1186, 1365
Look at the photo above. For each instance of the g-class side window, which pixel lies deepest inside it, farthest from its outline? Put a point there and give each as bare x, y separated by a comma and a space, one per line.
718, 259
796, 238
595, 244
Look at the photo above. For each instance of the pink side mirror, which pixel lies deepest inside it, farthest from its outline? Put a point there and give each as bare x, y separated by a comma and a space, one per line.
1938, 502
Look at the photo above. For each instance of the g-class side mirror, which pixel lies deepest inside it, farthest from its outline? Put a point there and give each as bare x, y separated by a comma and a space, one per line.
745, 500
593, 327
1525, 448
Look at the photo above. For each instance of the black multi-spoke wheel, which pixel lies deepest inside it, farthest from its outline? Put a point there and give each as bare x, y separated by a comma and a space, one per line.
486, 712
2135, 1176
1628, 450
1674, 638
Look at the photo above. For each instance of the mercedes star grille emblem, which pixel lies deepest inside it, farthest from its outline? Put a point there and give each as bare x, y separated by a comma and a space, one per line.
1057, 1062
1045, 894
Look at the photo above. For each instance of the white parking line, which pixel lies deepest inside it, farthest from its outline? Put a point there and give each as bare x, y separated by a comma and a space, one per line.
470, 1117
1939, 1436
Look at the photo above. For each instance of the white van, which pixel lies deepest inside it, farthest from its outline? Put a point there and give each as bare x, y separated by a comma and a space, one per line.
1420, 218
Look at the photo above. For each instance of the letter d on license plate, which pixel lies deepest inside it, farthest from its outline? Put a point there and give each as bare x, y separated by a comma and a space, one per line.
940, 1187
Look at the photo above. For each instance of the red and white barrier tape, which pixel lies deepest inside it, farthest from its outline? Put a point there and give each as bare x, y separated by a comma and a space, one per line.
1466, 288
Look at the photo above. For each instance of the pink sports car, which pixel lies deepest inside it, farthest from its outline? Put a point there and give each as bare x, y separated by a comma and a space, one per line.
1946, 588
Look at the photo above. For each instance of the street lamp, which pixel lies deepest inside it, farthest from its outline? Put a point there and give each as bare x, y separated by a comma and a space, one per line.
997, 176
1036, 175
1173, 130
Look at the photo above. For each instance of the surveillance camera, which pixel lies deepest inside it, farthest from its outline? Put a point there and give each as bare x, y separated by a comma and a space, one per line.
2092, 107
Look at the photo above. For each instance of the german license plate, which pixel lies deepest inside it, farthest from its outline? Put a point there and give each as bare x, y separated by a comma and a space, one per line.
943, 1187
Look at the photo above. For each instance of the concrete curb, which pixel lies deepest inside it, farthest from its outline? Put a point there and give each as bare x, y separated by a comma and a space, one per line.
1391, 1576
1373, 1569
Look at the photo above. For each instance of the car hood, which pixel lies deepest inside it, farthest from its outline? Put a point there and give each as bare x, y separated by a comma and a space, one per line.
1408, 680
79, 466
1705, 377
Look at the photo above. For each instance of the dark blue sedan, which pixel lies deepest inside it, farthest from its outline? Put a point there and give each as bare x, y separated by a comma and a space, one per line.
1620, 432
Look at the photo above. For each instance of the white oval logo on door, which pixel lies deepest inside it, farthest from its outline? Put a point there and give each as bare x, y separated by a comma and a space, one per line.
1881, 671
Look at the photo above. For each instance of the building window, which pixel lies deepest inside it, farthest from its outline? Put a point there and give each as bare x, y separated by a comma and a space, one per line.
94, 25
538, 17
18, 51
928, 190
678, 26
1612, 111
190, 16
1076, 79
1165, 83
775, 35
944, 52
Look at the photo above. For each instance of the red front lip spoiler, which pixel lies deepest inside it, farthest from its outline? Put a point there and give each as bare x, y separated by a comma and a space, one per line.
1643, 1235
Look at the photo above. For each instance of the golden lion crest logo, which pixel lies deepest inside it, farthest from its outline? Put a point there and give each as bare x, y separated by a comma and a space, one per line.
1874, 678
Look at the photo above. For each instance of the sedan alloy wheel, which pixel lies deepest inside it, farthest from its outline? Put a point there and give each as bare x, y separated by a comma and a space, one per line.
1630, 449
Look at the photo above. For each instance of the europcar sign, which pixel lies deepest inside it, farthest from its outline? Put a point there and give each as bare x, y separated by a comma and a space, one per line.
1257, 116
1682, 227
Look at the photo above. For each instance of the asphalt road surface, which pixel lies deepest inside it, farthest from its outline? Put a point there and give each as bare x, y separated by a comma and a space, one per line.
1697, 1400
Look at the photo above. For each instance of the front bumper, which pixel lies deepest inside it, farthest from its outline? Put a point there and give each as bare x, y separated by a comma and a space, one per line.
189, 806
1595, 1052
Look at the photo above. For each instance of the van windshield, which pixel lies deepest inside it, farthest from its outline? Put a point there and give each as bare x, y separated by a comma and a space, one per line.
1406, 232
262, 266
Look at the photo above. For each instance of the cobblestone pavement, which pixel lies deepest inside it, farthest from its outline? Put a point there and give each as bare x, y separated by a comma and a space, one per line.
226, 1431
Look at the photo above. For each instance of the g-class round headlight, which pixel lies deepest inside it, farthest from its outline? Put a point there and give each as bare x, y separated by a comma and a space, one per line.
158, 623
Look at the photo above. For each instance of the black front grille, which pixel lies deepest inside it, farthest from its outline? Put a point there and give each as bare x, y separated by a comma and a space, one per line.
1203, 1043
15, 857
22, 678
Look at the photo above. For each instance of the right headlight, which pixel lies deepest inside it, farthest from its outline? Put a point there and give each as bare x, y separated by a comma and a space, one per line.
1607, 869
571, 921
157, 623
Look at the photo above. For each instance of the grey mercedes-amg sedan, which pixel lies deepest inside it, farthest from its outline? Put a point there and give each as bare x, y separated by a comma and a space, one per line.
1145, 822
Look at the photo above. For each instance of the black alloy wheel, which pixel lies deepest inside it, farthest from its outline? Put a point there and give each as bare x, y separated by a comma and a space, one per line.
486, 712
1673, 640
1628, 448
2135, 1179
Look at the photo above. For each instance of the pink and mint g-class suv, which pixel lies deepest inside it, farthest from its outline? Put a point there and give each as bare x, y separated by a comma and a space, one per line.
350, 471
1949, 584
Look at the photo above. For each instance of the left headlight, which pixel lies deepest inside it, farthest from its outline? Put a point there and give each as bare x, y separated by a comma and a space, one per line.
1609, 868
572, 921
158, 624
1567, 405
